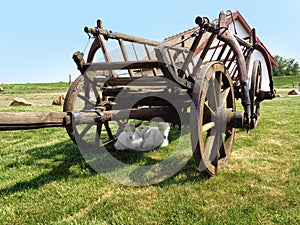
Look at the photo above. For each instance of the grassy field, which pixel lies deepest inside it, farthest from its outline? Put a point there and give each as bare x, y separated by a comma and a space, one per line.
286, 82
45, 180
33, 92
35, 88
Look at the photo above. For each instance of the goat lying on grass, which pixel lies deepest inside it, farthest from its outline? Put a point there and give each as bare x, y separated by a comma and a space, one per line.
149, 138
154, 137
129, 138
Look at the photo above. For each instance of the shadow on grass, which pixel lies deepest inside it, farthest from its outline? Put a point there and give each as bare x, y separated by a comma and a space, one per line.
151, 167
56, 160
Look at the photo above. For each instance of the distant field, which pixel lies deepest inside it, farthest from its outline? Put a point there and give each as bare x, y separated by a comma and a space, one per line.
35, 88
33, 92
45, 180
285, 82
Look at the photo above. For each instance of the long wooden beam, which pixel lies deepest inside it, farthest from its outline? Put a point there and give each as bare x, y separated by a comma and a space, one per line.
32, 120
35, 120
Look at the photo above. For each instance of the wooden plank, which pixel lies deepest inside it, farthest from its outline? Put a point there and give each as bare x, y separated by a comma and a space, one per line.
124, 81
147, 64
167, 113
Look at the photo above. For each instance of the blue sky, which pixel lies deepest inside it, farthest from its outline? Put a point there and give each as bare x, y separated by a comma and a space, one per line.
38, 38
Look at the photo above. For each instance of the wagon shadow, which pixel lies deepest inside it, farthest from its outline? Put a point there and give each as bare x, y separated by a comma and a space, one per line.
56, 160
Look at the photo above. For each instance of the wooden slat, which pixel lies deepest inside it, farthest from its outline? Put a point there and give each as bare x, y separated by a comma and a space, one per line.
165, 112
124, 81
148, 64
125, 55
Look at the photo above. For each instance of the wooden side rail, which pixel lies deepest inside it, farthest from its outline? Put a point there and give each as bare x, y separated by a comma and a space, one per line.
147, 64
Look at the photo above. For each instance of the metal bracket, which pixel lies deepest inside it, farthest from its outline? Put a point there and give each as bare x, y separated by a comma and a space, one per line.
111, 35
101, 116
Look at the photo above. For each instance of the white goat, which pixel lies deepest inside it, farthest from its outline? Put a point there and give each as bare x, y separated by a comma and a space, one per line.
154, 137
129, 138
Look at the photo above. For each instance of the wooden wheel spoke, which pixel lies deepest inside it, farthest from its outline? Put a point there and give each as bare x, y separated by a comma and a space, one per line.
206, 127
85, 130
208, 147
224, 151
87, 100
212, 147
211, 96
216, 148
224, 96
214, 93
217, 89
208, 111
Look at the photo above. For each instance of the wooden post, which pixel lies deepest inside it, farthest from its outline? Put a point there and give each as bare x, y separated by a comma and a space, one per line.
70, 80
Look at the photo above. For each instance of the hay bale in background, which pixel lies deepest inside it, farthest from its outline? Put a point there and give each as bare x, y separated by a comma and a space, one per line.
59, 101
293, 92
20, 102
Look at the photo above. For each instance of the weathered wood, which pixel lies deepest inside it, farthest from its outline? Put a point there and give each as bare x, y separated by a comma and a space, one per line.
147, 64
167, 113
106, 52
124, 81
125, 55
32, 120
44, 119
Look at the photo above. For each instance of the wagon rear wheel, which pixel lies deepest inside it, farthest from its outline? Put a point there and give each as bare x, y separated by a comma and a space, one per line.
212, 138
84, 95
254, 90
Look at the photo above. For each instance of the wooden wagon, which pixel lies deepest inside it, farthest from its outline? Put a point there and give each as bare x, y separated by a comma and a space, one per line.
145, 80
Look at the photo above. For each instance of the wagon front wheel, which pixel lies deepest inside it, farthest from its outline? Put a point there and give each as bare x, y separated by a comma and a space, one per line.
212, 137
84, 95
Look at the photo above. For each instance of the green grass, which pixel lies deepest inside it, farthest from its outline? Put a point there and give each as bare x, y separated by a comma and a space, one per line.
45, 180
33, 92
286, 81
35, 88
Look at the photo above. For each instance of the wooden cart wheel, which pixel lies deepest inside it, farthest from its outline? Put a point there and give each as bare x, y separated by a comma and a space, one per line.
254, 90
83, 95
212, 138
